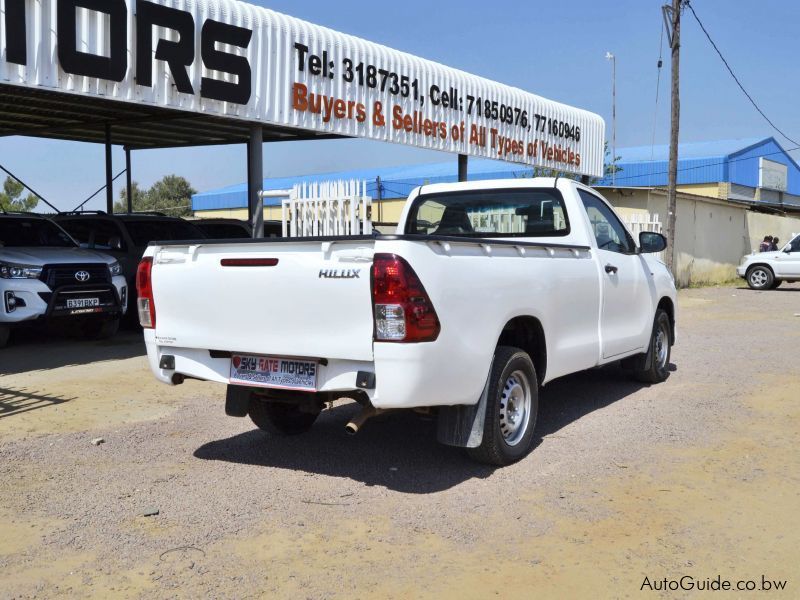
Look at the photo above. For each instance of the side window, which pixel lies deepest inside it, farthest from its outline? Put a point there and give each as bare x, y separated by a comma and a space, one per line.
107, 235
608, 230
93, 233
79, 229
795, 244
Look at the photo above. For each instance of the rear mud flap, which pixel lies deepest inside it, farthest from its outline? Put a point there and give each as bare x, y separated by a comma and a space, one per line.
237, 401
462, 425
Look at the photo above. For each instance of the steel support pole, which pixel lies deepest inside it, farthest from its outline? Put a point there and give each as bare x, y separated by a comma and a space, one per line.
128, 179
109, 175
463, 162
255, 180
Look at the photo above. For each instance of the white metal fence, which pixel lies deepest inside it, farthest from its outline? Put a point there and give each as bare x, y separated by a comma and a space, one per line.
639, 222
329, 208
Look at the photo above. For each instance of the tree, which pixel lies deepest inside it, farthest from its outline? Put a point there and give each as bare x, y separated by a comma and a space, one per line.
11, 197
172, 195
138, 194
610, 167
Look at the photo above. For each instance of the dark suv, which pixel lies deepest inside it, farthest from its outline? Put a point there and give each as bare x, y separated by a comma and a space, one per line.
125, 236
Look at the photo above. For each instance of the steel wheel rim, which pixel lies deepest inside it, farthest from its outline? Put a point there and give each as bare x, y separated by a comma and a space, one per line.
758, 278
662, 346
515, 407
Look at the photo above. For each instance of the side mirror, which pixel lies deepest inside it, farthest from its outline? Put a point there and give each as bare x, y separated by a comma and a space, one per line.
651, 242
115, 242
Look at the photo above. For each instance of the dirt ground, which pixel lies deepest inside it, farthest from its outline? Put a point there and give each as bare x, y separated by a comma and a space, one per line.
629, 485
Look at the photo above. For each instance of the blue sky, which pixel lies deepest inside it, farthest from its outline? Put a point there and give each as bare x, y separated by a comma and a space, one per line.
554, 49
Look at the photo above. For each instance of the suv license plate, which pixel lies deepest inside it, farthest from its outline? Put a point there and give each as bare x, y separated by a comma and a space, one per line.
274, 372
83, 302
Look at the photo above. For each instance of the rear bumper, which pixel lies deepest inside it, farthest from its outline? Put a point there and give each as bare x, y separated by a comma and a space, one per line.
407, 376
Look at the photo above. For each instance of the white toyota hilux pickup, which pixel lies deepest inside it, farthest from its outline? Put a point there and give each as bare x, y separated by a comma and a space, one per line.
487, 291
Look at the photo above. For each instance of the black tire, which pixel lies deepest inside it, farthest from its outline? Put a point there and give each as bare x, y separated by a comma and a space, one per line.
504, 441
760, 277
776, 284
5, 333
99, 329
280, 417
660, 350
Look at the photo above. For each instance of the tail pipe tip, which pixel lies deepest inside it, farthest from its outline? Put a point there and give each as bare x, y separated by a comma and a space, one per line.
357, 422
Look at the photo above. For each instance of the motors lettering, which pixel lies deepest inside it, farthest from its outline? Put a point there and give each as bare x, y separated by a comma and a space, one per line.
340, 274
178, 54
276, 365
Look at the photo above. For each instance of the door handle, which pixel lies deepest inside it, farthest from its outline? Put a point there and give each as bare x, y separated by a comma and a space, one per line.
611, 269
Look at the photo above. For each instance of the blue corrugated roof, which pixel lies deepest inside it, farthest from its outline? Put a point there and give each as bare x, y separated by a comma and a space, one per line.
720, 148
735, 161
396, 182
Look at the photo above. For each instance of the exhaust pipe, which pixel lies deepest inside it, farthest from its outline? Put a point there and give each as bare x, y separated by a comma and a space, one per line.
357, 422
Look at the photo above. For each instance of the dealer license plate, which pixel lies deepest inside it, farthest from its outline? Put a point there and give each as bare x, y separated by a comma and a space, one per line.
83, 302
274, 372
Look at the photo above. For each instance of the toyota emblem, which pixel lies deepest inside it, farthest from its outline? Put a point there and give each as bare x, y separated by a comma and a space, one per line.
82, 276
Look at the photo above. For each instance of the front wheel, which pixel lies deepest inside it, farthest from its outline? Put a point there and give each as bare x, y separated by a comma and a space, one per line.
5, 333
659, 351
512, 406
760, 278
280, 417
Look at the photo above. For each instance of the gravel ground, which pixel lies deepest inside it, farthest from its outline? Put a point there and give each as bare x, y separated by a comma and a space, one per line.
695, 476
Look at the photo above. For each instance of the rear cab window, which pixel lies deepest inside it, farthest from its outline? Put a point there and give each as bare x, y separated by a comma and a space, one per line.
524, 212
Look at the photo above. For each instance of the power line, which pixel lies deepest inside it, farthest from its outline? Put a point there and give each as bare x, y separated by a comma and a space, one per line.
658, 90
716, 164
736, 79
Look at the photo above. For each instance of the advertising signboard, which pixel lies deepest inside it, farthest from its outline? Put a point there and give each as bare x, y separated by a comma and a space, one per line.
231, 59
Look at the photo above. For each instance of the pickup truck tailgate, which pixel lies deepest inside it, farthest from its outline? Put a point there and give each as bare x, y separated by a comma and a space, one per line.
298, 299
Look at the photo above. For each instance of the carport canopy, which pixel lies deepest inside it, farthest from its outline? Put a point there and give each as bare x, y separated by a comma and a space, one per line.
176, 73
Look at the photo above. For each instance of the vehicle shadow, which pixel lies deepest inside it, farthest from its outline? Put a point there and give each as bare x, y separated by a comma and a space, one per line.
399, 450
784, 288
35, 350
16, 401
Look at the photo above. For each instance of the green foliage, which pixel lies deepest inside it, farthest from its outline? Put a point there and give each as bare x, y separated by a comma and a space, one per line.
11, 198
172, 196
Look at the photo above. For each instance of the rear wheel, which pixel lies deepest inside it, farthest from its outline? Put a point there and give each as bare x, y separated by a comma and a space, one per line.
511, 409
760, 278
280, 417
5, 333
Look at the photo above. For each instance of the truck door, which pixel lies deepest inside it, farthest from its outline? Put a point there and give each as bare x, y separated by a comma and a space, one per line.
790, 261
626, 313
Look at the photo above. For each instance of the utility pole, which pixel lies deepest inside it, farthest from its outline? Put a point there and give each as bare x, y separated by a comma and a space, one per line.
613, 59
672, 18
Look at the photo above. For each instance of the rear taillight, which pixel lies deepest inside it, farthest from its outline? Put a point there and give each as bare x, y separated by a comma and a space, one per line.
144, 290
403, 311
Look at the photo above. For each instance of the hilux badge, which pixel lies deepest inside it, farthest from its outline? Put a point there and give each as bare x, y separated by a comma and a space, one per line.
340, 274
